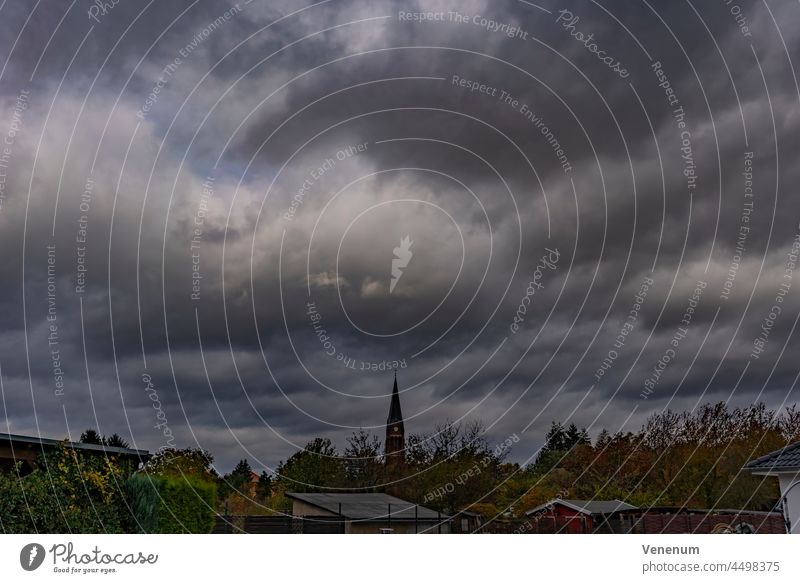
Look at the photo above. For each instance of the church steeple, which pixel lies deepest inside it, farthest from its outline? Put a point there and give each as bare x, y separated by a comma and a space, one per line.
395, 431
395, 414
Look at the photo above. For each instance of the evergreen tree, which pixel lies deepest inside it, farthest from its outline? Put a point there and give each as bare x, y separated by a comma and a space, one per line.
115, 441
92, 437
264, 486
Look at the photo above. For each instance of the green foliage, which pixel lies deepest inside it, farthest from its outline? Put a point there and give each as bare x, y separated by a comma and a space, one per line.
238, 494
451, 468
92, 437
187, 489
264, 486
691, 459
242, 469
559, 441
239, 478
178, 463
238, 482
186, 505
72, 491
143, 500
115, 441
69, 492
314, 469
457, 455
166, 504
27, 505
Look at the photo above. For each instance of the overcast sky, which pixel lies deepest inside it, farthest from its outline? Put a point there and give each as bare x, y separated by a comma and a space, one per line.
202, 203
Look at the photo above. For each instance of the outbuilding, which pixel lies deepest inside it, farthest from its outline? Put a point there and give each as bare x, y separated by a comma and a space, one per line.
575, 516
364, 513
784, 464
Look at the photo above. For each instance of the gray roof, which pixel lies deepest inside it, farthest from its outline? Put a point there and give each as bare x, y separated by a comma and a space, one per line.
783, 460
585, 506
44, 441
367, 506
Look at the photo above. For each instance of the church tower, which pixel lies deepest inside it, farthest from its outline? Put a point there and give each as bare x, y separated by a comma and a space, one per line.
395, 432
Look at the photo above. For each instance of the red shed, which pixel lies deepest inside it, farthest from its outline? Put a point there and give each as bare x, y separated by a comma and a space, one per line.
574, 516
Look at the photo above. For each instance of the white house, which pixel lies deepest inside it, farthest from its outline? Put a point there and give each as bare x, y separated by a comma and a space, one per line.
785, 465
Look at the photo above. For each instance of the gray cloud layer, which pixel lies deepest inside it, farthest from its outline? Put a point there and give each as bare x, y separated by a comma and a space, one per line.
297, 145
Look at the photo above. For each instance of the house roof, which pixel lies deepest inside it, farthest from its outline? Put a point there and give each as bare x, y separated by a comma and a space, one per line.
26, 440
367, 506
786, 459
585, 506
684, 510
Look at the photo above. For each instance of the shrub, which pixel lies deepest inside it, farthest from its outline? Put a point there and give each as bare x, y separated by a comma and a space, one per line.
69, 492
166, 504
143, 500
195, 462
186, 505
22, 502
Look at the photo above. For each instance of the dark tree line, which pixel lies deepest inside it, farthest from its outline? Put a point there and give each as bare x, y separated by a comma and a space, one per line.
691, 459
91, 436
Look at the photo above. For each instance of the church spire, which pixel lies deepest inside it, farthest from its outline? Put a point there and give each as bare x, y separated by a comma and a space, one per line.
395, 431
395, 414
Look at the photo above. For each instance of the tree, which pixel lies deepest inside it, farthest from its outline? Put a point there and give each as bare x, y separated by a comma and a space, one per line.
558, 442
92, 437
116, 441
240, 478
789, 423
453, 467
264, 486
242, 469
192, 462
362, 460
692, 459
187, 489
576, 436
315, 468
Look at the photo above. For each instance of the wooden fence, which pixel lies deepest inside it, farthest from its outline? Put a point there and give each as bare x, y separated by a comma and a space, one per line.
278, 525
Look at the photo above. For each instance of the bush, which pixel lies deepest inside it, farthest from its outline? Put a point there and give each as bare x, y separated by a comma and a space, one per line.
74, 492
186, 505
143, 500
166, 504
18, 499
68, 493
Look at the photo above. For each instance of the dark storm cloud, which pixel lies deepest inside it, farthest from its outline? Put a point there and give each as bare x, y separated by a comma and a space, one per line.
282, 114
